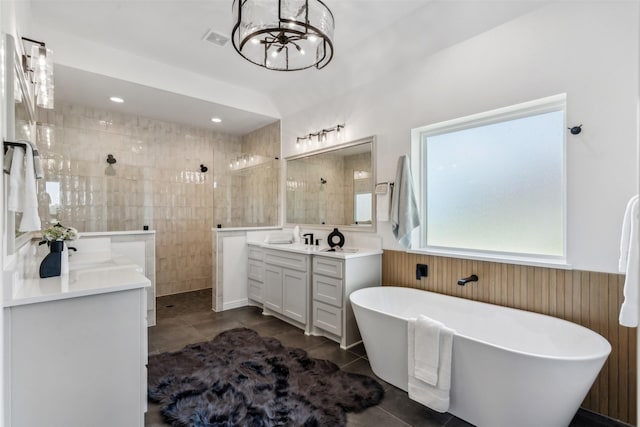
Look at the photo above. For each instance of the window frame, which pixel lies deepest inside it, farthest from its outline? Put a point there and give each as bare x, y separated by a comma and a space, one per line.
418, 166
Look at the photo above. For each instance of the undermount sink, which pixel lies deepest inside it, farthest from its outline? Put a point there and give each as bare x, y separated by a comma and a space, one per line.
99, 261
338, 250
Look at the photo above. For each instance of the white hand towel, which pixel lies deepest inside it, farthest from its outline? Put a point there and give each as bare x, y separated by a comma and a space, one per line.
427, 349
435, 397
15, 200
8, 158
30, 218
404, 208
630, 264
37, 163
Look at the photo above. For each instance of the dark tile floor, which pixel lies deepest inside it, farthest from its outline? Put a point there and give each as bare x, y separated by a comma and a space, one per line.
187, 318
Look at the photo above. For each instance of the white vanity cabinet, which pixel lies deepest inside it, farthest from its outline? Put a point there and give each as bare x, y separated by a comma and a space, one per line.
286, 285
255, 274
78, 360
333, 280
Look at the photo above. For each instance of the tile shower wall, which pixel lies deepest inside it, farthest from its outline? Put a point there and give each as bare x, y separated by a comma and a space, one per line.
250, 176
156, 182
590, 299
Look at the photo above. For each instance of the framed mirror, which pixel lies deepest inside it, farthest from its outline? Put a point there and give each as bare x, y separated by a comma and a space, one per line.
20, 125
333, 187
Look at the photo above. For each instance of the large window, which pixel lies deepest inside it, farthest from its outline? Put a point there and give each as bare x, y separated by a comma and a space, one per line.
493, 184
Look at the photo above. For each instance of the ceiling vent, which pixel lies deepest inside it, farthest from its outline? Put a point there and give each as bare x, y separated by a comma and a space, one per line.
215, 38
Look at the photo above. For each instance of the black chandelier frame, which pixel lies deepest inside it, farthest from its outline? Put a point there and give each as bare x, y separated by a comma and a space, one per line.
283, 36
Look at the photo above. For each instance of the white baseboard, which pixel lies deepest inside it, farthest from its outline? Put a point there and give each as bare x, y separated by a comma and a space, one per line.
228, 305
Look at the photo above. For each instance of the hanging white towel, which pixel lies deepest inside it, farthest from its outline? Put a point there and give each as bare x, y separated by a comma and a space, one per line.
15, 200
37, 163
404, 208
435, 396
426, 350
8, 158
30, 218
629, 263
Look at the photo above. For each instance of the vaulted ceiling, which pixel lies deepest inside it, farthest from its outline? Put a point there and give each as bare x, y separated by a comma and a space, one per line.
152, 53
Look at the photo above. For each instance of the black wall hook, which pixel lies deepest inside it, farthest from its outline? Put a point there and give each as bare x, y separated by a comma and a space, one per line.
110, 159
575, 130
203, 168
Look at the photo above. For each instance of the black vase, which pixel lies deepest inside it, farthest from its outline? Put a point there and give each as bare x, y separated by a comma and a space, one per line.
50, 265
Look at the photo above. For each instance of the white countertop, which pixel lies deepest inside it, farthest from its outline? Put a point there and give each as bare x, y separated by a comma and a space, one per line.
84, 279
301, 248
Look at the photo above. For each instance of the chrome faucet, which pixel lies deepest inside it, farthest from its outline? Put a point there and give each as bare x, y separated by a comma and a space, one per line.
465, 280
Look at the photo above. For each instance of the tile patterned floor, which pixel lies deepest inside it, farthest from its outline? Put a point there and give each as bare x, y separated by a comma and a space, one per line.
187, 318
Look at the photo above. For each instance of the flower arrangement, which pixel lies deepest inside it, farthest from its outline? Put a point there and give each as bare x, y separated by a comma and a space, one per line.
58, 232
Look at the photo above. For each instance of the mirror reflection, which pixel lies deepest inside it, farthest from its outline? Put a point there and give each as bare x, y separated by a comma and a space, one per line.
333, 187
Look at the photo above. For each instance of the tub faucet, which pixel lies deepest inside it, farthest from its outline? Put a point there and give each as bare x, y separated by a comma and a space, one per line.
308, 240
465, 280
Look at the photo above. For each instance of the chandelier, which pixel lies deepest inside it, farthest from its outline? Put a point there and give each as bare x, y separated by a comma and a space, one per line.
283, 35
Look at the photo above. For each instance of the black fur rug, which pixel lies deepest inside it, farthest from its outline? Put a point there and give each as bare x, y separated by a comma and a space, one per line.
242, 379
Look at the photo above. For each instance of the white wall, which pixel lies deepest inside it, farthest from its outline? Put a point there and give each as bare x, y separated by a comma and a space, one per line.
14, 20
587, 49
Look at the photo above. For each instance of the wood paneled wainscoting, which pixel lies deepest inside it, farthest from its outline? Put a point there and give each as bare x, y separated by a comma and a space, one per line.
588, 298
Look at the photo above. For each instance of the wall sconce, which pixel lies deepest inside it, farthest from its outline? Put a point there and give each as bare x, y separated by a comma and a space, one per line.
322, 135
37, 63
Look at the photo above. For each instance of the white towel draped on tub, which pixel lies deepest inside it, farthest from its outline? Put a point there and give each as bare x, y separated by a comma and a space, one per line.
629, 264
429, 362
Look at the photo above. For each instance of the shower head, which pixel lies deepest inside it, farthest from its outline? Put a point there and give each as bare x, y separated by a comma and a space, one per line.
323, 181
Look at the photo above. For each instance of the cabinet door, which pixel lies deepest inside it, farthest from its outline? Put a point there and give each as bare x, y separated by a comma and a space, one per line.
273, 288
254, 290
294, 304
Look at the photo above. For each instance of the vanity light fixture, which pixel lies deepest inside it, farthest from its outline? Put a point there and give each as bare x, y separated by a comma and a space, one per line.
283, 35
322, 135
116, 99
37, 63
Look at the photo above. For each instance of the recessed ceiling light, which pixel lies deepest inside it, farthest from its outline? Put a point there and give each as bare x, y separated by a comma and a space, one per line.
116, 99
216, 119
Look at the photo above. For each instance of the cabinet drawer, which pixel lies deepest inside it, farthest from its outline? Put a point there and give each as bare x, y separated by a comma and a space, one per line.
327, 290
256, 253
286, 259
328, 266
327, 318
254, 290
255, 270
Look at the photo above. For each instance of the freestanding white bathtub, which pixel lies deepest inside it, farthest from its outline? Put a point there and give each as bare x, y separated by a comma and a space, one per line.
509, 367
